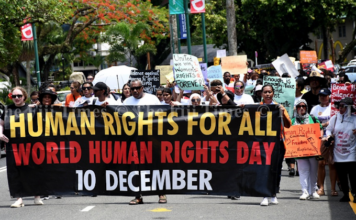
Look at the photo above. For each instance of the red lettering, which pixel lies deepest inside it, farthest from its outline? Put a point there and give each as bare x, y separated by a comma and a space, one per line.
242, 157
120, 150
268, 150
213, 145
94, 152
187, 155
145, 152
52, 150
106, 152
223, 149
133, 155
166, 151
201, 152
62, 152
38, 147
255, 156
20, 154
176, 152
75, 148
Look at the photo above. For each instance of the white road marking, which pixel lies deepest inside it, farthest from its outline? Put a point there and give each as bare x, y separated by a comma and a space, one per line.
2, 169
87, 209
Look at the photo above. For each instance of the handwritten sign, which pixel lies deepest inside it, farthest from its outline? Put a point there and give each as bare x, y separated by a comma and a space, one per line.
187, 72
150, 79
340, 91
234, 64
284, 65
164, 71
302, 141
220, 53
308, 56
284, 91
215, 72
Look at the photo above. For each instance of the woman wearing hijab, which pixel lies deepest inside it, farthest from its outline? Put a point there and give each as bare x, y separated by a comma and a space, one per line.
307, 166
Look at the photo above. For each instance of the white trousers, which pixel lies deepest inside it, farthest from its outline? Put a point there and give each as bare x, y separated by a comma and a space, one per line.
308, 172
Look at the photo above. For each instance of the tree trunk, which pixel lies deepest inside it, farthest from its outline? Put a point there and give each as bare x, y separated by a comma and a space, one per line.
231, 27
47, 67
325, 43
13, 70
174, 32
28, 76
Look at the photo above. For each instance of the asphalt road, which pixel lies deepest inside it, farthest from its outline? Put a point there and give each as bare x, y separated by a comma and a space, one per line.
179, 206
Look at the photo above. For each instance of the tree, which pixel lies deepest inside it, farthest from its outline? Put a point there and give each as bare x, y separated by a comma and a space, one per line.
231, 27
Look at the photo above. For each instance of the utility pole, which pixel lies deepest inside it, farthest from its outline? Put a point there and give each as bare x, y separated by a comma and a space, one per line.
36, 55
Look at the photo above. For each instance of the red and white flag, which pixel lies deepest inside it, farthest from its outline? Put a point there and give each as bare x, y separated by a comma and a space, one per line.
26, 32
197, 6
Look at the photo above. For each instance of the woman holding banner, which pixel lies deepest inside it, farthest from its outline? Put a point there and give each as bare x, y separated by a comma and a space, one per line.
342, 130
307, 166
267, 95
18, 96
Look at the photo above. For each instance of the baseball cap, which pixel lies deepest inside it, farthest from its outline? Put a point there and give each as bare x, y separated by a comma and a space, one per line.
100, 86
324, 91
258, 88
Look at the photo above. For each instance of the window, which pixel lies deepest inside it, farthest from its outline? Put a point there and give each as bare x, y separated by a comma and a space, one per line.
342, 31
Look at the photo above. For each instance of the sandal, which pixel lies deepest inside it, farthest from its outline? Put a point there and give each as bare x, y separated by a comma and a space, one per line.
136, 201
321, 192
162, 199
334, 193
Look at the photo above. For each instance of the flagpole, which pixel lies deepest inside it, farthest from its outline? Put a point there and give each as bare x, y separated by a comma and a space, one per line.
36, 55
178, 31
188, 26
204, 38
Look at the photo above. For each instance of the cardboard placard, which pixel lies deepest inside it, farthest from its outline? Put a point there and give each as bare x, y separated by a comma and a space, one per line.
308, 56
204, 70
284, 91
215, 72
302, 140
220, 53
328, 65
164, 71
188, 74
340, 91
285, 65
150, 79
234, 64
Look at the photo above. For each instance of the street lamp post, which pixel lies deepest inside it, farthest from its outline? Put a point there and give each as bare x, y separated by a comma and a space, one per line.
63, 66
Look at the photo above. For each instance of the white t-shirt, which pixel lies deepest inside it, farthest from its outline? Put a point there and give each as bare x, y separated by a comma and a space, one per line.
322, 113
147, 99
108, 100
345, 140
243, 99
81, 100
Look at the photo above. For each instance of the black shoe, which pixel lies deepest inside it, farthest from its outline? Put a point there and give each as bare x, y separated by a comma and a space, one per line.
339, 185
229, 197
292, 172
297, 173
235, 197
345, 199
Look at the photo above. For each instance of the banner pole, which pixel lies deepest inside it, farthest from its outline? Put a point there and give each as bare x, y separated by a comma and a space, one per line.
36, 55
172, 37
204, 37
188, 26
178, 31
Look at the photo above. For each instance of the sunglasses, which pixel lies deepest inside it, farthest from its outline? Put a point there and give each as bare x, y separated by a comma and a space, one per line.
195, 100
86, 88
241, 87
135, 88
16, 96
301, 106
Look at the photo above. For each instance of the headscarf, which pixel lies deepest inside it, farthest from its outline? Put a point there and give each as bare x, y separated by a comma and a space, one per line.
302, 119
194, 95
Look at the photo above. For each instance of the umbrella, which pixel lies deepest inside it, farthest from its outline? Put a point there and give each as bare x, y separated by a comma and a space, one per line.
114, 77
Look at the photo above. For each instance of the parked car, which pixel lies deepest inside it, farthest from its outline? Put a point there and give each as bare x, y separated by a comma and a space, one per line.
351, 72
61, 96
352, 62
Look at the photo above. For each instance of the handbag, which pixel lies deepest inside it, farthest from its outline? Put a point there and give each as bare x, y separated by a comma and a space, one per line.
327, 152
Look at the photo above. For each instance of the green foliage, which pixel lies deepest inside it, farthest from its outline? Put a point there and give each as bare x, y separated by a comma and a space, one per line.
65, 88
4, 98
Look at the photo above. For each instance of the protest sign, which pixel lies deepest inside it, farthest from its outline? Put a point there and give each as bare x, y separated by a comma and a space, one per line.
234, 64
204, 70
292, 59
220, 53
148, 150
176, 7
340, 91
302, 140
215, 72
182, 26
308, 56
285, 65
328, 65
216, 61
284, 91
164, 71
150, 79
187, 72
